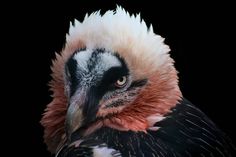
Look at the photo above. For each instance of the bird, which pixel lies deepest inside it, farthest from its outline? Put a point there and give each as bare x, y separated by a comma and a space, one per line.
116, 94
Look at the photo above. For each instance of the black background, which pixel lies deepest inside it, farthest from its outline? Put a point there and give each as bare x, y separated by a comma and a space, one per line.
198, 34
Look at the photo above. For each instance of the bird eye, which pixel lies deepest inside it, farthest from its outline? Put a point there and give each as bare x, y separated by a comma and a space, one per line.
121, 82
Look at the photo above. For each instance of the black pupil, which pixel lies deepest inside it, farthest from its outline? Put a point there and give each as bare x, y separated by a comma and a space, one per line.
121, 79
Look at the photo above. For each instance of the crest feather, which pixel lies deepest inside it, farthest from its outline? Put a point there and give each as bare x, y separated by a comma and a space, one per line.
123, 33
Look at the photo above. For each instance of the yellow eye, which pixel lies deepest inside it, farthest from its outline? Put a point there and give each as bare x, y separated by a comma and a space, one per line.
121, 82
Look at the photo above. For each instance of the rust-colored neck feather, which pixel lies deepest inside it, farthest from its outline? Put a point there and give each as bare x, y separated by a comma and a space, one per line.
54, 117
156, 99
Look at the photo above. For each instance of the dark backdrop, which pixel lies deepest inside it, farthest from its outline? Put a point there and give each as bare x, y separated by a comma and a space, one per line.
198, 35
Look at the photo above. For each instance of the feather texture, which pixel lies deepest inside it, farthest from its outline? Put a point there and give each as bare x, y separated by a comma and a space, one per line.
185, 132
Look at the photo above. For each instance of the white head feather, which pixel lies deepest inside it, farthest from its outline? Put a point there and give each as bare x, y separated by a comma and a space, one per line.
128, 35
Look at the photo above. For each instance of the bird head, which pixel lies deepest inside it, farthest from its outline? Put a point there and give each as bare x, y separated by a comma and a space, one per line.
114, 71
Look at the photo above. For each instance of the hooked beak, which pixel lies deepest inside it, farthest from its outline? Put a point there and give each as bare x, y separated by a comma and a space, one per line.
82, 110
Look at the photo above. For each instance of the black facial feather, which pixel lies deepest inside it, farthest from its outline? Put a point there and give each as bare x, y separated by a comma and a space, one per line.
112, 75
90, 106
71, 68
138, 83
95, 93
121, 59
97, 90
94, 58
71, 71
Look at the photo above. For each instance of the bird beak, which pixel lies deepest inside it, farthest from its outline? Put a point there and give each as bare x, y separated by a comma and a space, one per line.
74, 113
82, 109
